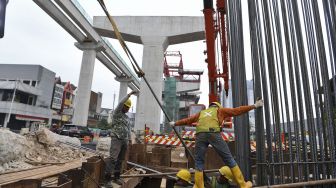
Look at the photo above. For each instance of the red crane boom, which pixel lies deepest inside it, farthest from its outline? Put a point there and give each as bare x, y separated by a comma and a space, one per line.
215, 25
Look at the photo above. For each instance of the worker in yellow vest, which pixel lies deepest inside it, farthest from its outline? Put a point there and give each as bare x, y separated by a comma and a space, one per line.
183, 179
208, 130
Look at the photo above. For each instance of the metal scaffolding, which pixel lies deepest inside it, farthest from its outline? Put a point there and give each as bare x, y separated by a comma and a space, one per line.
171, 102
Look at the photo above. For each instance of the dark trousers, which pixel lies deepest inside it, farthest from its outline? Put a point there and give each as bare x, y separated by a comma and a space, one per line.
117, 155
215, 139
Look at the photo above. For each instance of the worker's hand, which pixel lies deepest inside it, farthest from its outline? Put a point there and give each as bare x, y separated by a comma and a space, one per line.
132, 93
259, 103
172, 123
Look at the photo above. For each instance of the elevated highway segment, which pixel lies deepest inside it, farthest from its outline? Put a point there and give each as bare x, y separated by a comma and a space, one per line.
73, 18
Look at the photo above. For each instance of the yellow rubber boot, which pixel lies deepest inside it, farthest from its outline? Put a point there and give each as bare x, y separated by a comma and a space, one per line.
238, 176
199, 181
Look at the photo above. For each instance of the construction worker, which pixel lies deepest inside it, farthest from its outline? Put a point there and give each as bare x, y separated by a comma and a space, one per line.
120, 138
208, 130
183, 179
223, 179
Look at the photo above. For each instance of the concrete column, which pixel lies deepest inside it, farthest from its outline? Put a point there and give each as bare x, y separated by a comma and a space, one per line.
124, 81
155, 33
50, 120
82, 100
148, 111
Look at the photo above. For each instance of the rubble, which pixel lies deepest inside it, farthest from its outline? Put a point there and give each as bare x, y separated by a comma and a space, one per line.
103, 145
47, 137
12, 146
41, 147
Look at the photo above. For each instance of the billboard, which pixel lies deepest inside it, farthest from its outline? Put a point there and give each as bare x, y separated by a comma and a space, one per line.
58, 97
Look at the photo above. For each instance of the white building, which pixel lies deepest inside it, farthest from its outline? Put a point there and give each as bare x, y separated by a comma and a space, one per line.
25, 95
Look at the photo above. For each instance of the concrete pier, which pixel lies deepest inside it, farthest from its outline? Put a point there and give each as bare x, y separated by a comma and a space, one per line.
82, 100
155, 33
123, 86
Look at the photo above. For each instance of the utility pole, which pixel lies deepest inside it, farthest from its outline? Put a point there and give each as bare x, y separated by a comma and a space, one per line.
114, 95
11, 106
3, 4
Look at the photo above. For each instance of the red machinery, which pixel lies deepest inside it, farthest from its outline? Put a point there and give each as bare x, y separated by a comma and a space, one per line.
176, 69
215, 25
172, 70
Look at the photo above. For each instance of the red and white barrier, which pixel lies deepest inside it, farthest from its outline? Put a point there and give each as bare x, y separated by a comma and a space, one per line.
190, 135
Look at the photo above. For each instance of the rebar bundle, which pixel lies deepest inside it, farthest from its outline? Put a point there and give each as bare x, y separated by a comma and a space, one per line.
239, 92
293, 58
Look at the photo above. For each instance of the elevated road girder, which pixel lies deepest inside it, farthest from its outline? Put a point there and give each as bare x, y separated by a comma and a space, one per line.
71, 17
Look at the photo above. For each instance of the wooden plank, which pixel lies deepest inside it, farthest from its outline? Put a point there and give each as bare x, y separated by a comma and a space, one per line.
32, 170
21, 174
92, 172
59, 169
43, 163
131, 182
24, 184
39, 172
14, 171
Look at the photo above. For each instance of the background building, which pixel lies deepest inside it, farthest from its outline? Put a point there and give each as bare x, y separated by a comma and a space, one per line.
68, 102
62, 104
25, 95
94, 108
105, 113
227, 102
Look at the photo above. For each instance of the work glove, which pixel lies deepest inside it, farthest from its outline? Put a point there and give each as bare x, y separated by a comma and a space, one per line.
172, 123
259, 103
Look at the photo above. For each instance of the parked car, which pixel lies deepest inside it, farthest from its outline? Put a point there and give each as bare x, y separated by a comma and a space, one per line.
75, 131
104, 133
54, 128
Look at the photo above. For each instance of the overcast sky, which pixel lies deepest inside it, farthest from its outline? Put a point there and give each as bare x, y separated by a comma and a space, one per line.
32, 37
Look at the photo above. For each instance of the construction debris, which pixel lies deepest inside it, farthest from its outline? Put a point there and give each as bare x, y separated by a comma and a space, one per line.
12, 146
47, 137
103, 145
38, 148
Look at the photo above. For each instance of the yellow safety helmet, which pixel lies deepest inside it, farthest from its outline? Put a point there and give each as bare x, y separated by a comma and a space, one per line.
226, 172
217, 104
128, 103
185, 175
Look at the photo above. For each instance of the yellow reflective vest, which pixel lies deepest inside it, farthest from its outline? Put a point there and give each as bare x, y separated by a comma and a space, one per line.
208, 121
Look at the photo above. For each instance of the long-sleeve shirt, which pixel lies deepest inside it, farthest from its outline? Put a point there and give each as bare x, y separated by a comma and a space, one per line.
222, 113
121, 127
